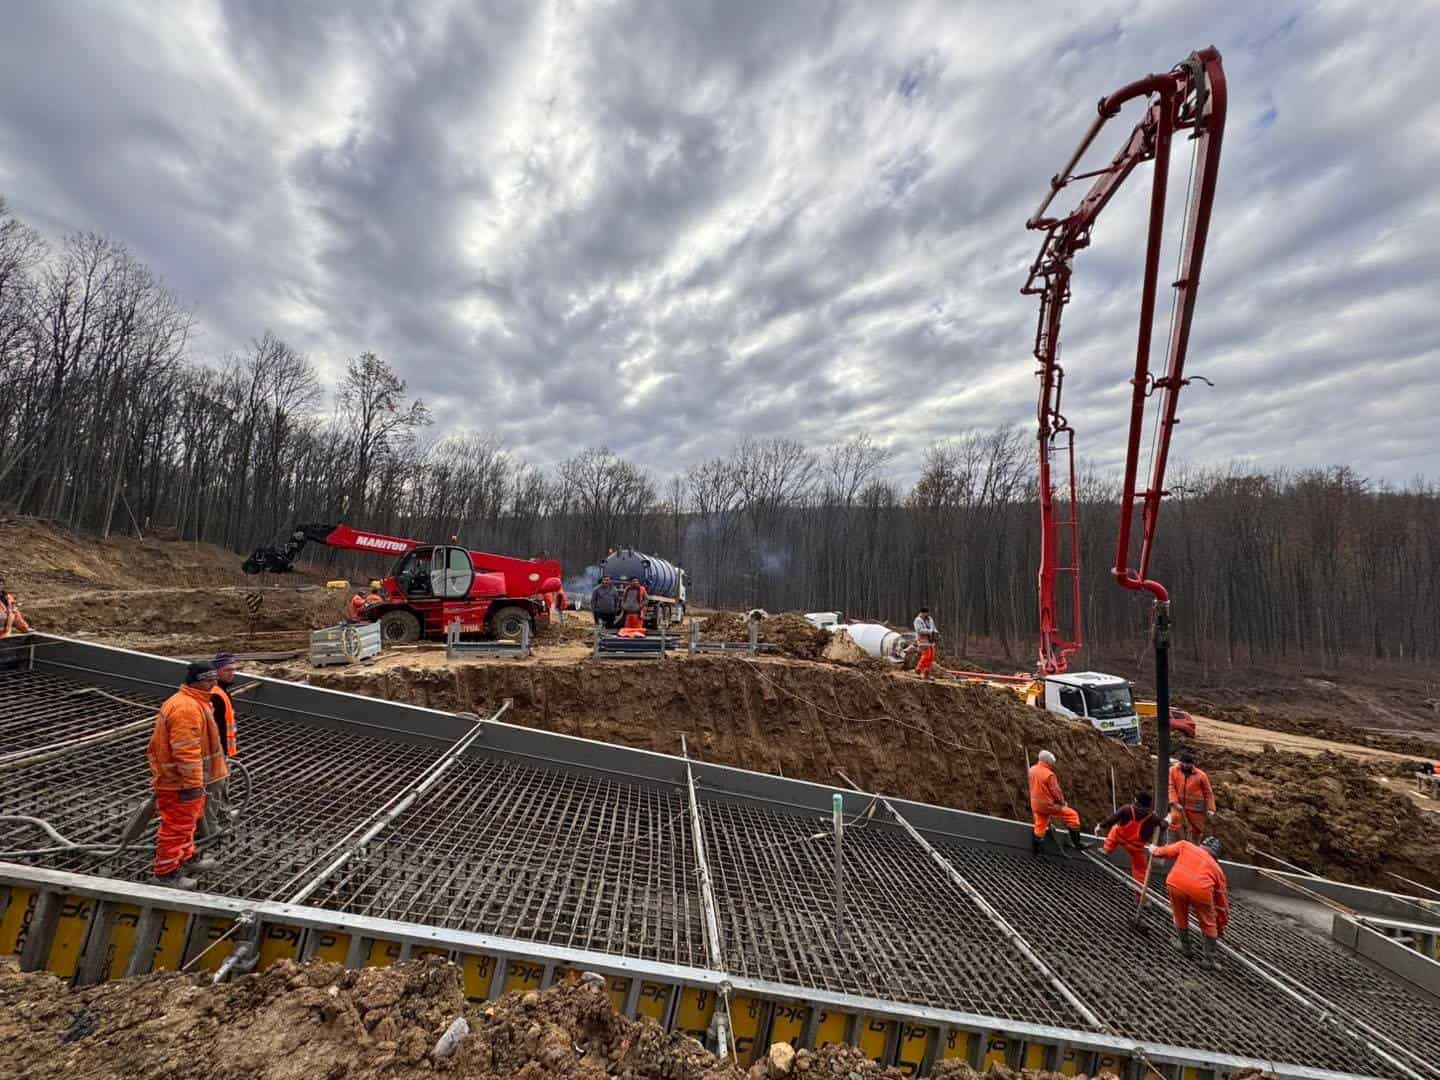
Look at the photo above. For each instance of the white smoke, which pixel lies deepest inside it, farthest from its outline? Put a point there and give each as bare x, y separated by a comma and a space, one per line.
580, 587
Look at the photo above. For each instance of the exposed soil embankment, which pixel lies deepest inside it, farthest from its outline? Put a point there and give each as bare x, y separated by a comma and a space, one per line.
320, 1022
952, 744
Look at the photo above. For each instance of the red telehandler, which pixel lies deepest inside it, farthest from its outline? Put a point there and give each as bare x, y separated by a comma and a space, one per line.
1190, 98
432, 585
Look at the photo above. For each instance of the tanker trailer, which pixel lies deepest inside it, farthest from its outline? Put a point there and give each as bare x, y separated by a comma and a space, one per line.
663, 582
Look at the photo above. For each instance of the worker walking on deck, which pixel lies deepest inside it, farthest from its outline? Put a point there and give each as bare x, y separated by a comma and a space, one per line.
1047, 800
1130, 828
1192, 799
926, 636
185, 754
1196, 882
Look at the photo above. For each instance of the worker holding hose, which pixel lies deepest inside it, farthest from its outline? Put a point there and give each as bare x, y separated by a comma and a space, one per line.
184, 753
1130, 828
1196, 882
1047, 800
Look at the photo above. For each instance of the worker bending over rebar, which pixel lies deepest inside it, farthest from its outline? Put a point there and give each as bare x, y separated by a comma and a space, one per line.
1047, 800
1131, 828
184, 752
1196, 882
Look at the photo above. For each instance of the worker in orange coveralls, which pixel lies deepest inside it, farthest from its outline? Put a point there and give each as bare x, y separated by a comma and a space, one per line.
185, 753
926, 636
633, 604
11, 621
1047, 800
1192, 800
1197, 882
1131, 828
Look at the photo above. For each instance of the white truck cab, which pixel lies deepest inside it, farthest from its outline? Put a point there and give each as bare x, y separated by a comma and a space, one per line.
1105, 702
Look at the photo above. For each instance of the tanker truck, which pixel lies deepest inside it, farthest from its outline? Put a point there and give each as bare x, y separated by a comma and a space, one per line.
663, 583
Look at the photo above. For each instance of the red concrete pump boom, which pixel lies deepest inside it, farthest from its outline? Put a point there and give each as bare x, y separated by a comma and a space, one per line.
1191, 97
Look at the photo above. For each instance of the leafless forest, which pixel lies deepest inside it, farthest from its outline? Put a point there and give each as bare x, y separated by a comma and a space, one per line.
109, 422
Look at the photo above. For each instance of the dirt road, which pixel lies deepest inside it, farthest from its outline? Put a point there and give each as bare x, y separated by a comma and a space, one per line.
1244, 737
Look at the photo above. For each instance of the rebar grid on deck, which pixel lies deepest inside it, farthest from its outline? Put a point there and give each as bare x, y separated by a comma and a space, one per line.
908, 934
37, 710
1080, 918
1330, 969
540, 855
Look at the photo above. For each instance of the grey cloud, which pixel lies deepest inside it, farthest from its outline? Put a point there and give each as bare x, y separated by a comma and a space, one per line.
801, 220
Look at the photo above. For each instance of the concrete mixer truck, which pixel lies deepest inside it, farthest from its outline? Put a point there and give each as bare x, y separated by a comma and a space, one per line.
657, 585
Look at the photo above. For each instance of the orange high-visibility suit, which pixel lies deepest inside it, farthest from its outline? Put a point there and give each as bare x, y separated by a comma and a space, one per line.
1196, 882
927, 658
184, 754
1047, 800
11, 621
224, 707
1191, 800
1131, 828
633, 605
357, 605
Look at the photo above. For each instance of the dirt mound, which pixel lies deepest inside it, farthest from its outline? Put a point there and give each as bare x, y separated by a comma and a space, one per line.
953, 744
43, 561
1324, 813
843, 650
293, 1022
792, 634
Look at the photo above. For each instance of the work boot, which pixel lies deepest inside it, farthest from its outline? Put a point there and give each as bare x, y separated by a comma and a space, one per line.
1207, 954
176, 880
201, 863
1182, 942
1036, 843
1077, 841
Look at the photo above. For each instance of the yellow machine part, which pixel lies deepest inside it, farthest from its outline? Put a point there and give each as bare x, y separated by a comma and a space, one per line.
339, 583
747, 1014
912, 1048
333, 946
995, 1051
279, 942
830, 1028
522, 976
692, 1015
15, 920
957, 1045
477, 971
788, 1022
874, 1037
654, 1000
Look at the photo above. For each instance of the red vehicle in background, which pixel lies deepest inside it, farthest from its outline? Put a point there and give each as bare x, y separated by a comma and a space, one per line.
432, 585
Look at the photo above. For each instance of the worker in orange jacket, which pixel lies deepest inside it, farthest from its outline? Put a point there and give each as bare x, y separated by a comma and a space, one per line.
11, 621
1047, 800
184, 754
1130, 828
1192, 799
926, 638
1197, 882
632, 603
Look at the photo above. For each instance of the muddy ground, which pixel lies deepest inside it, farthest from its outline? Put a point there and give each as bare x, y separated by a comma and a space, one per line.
321, 1022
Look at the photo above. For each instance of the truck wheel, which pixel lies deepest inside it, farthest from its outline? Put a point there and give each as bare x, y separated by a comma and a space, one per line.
397, 627
508, 622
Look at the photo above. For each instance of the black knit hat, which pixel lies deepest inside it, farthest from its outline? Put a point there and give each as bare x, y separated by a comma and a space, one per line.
224, 658
200, 669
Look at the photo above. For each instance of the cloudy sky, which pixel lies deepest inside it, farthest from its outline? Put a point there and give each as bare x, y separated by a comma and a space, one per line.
664, 225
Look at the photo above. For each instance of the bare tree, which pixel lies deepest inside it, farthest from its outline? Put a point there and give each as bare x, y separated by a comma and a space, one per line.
377, 417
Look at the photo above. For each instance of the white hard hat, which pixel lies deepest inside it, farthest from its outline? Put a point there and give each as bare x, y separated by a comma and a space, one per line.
1045, 756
